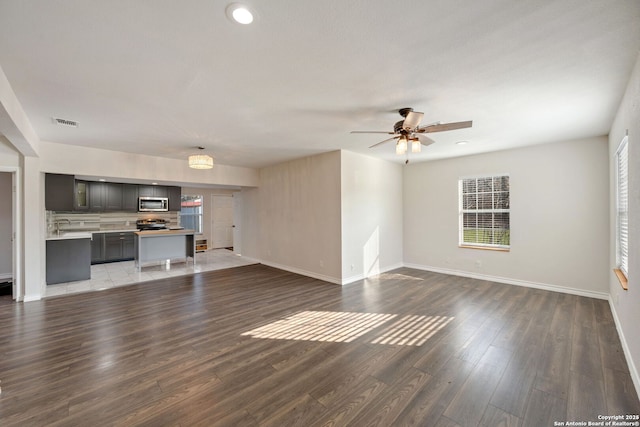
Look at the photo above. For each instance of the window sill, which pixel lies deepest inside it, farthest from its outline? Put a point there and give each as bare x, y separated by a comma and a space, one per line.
486, 248
621, 278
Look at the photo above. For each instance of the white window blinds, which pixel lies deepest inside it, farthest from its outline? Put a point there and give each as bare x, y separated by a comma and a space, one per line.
484, 211
622, 205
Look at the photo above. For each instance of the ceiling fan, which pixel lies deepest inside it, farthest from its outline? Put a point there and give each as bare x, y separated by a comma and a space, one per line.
409, 130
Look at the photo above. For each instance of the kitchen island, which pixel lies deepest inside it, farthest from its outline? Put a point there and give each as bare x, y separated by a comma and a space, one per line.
163, 246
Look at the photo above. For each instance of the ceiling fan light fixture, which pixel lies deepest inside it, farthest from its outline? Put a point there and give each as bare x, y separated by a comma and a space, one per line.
401, 146
200, 161
416, 147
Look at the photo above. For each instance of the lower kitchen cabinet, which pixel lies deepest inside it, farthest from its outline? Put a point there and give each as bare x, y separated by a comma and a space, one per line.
108, 247
97, 248
68, 260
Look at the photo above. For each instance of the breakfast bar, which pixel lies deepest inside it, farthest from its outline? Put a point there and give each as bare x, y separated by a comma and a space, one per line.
163, 245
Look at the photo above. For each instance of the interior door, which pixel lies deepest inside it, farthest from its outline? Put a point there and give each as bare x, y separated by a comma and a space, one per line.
222, 221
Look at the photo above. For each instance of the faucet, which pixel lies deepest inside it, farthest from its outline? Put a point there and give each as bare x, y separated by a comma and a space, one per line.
58, 224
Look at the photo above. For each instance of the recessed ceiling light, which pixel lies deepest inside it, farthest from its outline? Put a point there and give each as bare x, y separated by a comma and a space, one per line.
462, 142
239, 13
102, 180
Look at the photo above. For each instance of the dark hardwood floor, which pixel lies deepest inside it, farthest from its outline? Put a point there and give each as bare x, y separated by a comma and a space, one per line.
253, 346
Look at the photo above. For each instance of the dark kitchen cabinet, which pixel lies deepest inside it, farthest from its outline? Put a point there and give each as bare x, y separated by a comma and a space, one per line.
97, 248
153, 191
81, 196
105, 196
59, 192
175, 198
109, 247
130, 197
68, 260
128, 244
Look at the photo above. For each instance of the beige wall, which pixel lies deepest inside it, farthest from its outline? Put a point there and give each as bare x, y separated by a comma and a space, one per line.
371, 195
559, 217
298, 204
626, 304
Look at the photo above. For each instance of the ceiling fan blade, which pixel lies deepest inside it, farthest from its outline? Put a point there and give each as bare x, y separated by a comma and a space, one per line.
445, 126
372, 131
386, 140
424, 140
412, 120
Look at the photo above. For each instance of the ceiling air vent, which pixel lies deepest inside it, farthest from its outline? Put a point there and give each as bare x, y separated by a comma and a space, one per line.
65, 122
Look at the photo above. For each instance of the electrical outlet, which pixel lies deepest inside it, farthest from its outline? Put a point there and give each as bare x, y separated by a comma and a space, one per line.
321, 263
478, 264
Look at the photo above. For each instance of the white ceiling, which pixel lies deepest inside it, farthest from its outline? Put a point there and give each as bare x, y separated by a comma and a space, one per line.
164, 76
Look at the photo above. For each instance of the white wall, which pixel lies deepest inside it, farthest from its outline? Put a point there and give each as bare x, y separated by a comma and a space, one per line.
299, 207
73, 160
626, 304
6, 226
250, 218
371, 216
33, 230
559, 217
9, 156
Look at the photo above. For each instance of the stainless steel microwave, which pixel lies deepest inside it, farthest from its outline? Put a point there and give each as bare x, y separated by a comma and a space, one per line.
153, 204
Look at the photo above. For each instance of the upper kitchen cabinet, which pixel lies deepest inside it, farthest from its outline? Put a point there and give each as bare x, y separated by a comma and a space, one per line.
59, 192
81, 201
175, 198
105, 196
152, 191
130, 197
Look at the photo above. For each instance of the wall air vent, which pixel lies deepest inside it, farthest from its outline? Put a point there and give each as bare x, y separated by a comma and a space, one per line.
65, 122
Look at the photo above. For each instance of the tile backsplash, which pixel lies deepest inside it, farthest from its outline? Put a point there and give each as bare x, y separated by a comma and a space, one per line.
65, 221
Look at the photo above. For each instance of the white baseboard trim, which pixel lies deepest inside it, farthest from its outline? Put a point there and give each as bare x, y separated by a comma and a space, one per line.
29, 298
302, 272
256, 261
633, 370
7, 276
357, 277
508, 281
326, 278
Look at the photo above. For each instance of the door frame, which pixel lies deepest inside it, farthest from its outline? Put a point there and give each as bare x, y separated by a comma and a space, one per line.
237, 223
17, 290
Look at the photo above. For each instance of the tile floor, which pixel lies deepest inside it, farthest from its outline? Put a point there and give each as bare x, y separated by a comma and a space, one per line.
104, 276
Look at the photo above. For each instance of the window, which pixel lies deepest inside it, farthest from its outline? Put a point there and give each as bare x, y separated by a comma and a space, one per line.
622, 208
191, 212
484, 212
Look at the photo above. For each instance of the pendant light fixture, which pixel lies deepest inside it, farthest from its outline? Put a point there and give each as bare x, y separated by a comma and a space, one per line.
200, 161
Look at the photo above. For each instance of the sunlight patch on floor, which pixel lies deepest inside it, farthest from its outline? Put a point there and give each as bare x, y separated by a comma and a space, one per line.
347, 326
412, 330
321, 326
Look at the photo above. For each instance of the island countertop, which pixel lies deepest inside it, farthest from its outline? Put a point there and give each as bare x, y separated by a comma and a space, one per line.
166, 232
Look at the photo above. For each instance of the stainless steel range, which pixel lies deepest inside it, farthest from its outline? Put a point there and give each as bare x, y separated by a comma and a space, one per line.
151, 224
